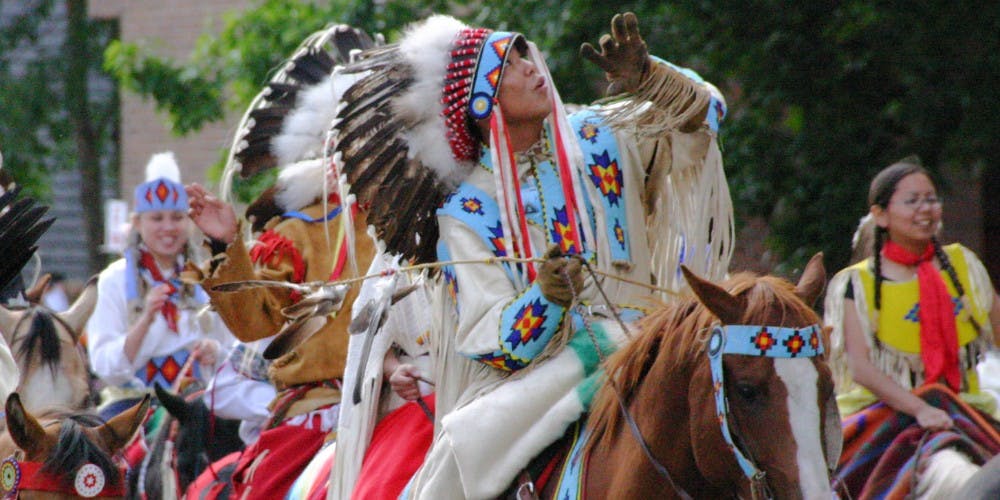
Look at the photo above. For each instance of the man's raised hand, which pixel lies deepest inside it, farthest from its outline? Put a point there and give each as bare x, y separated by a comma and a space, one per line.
623, 56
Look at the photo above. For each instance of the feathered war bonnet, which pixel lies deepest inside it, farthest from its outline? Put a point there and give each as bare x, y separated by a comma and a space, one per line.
163, 189
406, 132
287, 124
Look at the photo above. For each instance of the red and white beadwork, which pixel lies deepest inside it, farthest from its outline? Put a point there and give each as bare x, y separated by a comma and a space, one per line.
89, 481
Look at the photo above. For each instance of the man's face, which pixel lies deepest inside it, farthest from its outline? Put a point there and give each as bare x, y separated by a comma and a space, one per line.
524, 95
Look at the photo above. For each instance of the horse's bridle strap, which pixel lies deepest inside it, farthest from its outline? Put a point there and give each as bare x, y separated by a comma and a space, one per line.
755, 340
28, 476
769, 341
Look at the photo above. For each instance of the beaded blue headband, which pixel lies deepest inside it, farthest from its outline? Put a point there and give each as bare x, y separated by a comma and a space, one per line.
755, 340
489, 71
160, 194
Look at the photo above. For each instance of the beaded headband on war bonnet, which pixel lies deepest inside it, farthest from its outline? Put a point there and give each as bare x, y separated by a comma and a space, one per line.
472, 84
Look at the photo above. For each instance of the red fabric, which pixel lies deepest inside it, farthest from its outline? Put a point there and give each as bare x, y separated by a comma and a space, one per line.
521, 242
938, 334
169, 309
543, 479
338, 266
209, 484
271, 247
399, 443
270, 465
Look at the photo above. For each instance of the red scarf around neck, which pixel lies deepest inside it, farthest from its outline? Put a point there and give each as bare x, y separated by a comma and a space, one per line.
169, 309
938, 334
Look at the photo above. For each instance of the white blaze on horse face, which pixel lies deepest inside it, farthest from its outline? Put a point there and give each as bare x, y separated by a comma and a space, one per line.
801, 378
47, 391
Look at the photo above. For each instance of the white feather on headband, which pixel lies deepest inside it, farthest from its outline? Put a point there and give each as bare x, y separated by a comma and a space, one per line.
427, 49
303, 132
163, 166
300, 184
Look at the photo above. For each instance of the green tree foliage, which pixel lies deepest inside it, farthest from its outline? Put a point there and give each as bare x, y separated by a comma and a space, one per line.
824, 94
28, 90
821, 94
227, 69
50, 119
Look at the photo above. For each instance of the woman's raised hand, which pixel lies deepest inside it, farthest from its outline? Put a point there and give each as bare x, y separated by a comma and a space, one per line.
213, 217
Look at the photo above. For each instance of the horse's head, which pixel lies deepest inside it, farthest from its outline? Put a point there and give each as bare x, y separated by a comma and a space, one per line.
64, 455
53, 369
201, 438
782, 414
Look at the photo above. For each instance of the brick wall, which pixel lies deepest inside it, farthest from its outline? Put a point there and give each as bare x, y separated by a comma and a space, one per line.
170, 29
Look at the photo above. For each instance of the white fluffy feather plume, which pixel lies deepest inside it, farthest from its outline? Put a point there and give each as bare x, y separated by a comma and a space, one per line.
303, 133
163, 166
427, 49
300, 184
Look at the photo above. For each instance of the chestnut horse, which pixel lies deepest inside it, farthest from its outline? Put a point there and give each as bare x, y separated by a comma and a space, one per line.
64, 455
45, 344
655, 430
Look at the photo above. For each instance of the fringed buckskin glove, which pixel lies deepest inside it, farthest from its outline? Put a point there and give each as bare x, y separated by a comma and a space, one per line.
623, 55
552, 277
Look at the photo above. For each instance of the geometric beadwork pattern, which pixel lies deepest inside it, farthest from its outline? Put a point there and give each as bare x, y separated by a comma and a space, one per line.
165, 370
913, 315
754, 340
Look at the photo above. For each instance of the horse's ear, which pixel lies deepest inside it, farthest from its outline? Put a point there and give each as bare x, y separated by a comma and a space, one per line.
24, 429
725, 306
813, 280
174, 404
118, 431
34, 294
78, 314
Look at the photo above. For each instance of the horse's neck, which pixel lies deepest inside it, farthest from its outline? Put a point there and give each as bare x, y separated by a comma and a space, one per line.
660, 410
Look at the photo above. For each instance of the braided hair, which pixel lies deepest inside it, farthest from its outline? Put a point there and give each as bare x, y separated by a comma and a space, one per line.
882, 188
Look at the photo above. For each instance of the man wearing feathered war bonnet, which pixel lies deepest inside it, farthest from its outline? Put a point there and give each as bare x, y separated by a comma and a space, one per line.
496, 168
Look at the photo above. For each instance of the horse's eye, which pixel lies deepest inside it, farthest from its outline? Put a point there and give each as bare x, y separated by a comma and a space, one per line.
747, 392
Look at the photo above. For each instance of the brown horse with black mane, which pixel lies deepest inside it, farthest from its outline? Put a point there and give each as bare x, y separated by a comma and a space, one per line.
64, 455
656, 430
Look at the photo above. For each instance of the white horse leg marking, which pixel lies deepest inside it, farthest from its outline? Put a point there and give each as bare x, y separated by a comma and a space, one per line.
800, 378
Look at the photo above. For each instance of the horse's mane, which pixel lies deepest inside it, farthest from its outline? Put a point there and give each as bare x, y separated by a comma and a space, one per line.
678, 331
74, 449
42, 336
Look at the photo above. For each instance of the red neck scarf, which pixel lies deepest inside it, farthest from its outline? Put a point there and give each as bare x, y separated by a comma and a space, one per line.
169, 309
938, 334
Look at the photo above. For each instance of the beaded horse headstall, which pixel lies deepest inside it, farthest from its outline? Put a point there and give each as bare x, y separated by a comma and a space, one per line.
755, 340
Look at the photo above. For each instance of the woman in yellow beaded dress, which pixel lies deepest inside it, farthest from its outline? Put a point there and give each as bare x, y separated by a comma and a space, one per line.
909, 324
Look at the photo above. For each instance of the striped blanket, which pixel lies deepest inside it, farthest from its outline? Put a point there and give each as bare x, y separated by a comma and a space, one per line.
883, 448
